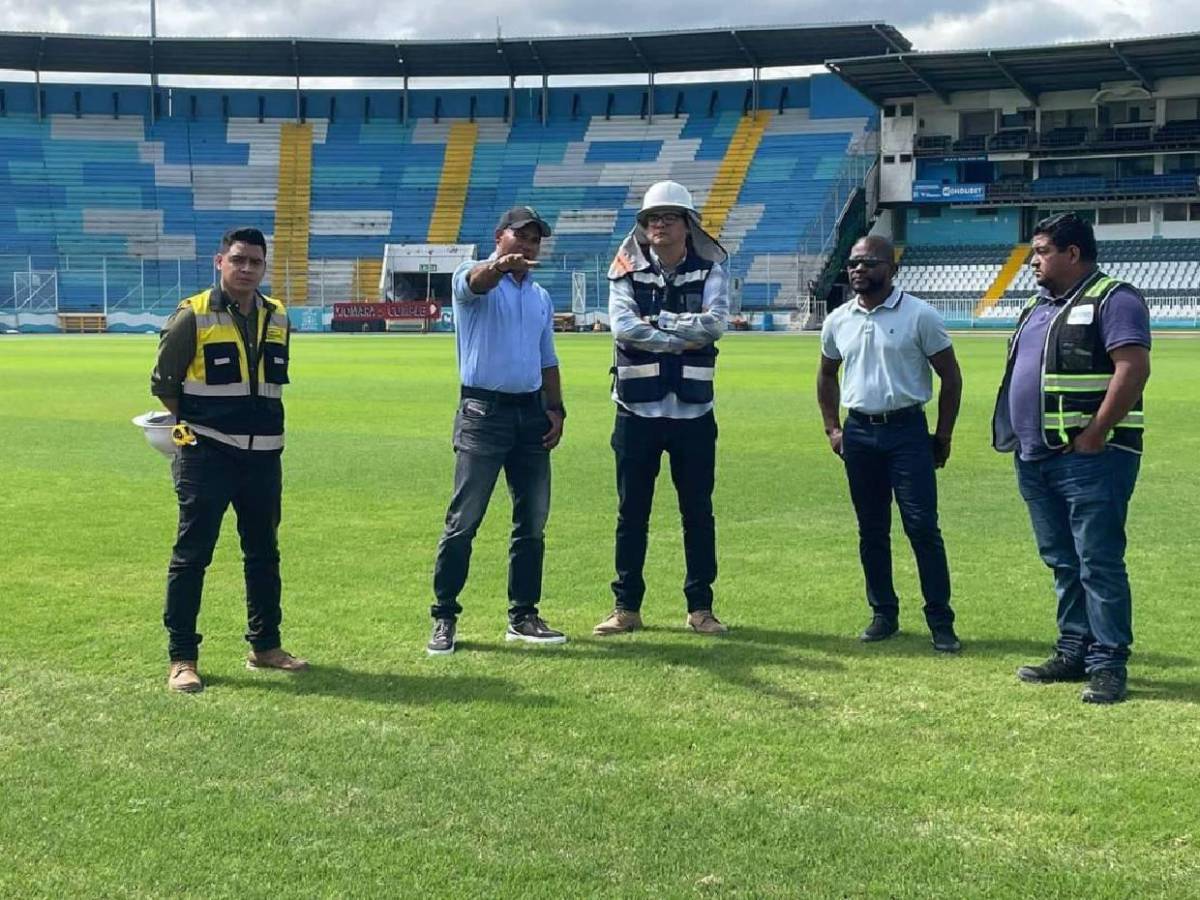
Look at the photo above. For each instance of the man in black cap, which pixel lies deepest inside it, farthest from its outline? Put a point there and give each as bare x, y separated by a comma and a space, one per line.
510, 416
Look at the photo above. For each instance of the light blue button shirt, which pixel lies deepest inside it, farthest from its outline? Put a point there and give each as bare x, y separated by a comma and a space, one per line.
506, 336
885, 351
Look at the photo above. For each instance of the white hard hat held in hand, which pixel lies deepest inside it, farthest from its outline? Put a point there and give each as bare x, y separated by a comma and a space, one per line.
157, 425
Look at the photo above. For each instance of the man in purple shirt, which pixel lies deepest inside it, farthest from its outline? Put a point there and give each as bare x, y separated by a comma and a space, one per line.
1070, 405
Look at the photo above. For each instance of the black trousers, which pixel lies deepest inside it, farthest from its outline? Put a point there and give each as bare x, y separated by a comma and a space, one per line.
490, 436
209, 478
691, 444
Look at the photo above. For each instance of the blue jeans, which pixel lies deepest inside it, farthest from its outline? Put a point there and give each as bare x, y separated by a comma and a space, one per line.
896, 459
1078, 504
490, 435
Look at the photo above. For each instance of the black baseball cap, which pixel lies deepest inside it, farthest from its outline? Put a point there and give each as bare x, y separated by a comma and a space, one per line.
520, 216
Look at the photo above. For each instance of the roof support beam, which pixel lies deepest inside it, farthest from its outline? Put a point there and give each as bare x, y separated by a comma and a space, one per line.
296, 65
877, 99
750, 57
37, 77
1131, 68
1012, 79
545, 83
889, 40
403, 74
755, 70
929, 85
637, 51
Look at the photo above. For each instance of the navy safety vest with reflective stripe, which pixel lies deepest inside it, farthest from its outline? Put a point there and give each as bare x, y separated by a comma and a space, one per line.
1076, 368
645, 377
227, 395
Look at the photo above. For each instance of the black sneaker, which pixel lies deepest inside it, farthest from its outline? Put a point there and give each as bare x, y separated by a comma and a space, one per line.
1105, 686
442, 640
944, 638
880, 629
1056, 668
533, 630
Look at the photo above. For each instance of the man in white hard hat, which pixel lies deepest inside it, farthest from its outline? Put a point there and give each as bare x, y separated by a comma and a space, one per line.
222, 364
668, 304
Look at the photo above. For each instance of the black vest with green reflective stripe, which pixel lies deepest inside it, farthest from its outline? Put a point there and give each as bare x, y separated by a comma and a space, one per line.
1076, 367
645, 377
229, 395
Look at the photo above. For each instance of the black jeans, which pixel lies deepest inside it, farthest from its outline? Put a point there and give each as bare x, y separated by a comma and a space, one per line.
639, 443
208, 479
896, 458
490, 435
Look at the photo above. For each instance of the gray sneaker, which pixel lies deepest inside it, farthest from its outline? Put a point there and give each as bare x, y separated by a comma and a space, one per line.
441, 642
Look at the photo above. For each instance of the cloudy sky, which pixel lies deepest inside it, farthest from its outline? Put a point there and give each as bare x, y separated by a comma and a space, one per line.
929, 24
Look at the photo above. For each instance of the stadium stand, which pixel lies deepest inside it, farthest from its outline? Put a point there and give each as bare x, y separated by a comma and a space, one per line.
120, 211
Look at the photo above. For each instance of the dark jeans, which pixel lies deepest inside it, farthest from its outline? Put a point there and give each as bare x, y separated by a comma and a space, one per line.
490, 435
896, 459
207, 480
1077, 504
639, 443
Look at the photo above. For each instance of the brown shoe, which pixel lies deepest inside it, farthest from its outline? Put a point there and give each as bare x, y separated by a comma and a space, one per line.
275, 659
184, 677
702, 621
619, 621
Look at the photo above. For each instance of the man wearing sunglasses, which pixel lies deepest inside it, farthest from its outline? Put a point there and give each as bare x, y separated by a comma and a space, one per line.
668, 304
888, 341
1070, 406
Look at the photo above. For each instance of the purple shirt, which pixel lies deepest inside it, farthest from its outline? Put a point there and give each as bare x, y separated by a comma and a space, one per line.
1124, 320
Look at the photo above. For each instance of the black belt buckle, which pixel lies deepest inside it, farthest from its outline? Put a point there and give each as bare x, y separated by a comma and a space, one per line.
896, 415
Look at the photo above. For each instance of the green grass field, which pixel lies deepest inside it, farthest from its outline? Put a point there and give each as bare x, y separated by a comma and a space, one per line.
785, 759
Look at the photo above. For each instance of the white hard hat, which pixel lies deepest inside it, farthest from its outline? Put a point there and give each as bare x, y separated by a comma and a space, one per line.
668, 194
157, 425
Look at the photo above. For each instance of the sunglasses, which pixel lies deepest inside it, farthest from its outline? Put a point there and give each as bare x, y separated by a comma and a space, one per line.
869, 261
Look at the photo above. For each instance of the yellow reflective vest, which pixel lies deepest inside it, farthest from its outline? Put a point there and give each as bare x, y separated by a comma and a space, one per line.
228, 395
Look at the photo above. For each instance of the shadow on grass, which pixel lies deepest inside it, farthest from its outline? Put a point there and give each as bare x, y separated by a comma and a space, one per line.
908, 643
915, 643
731, 661
382, 687
1174, 691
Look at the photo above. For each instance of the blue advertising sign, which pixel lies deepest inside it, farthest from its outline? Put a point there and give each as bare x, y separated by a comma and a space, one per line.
936, 192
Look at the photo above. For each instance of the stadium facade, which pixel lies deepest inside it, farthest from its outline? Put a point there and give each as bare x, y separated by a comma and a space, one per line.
977, 146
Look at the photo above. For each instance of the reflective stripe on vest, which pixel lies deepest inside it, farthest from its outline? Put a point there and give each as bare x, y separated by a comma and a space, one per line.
241, 441
237, 389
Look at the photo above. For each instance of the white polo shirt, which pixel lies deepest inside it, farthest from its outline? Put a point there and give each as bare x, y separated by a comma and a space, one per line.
885, 351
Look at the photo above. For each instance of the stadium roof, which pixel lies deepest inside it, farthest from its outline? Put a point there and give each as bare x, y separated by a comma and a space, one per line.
663, 51
1030, 70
